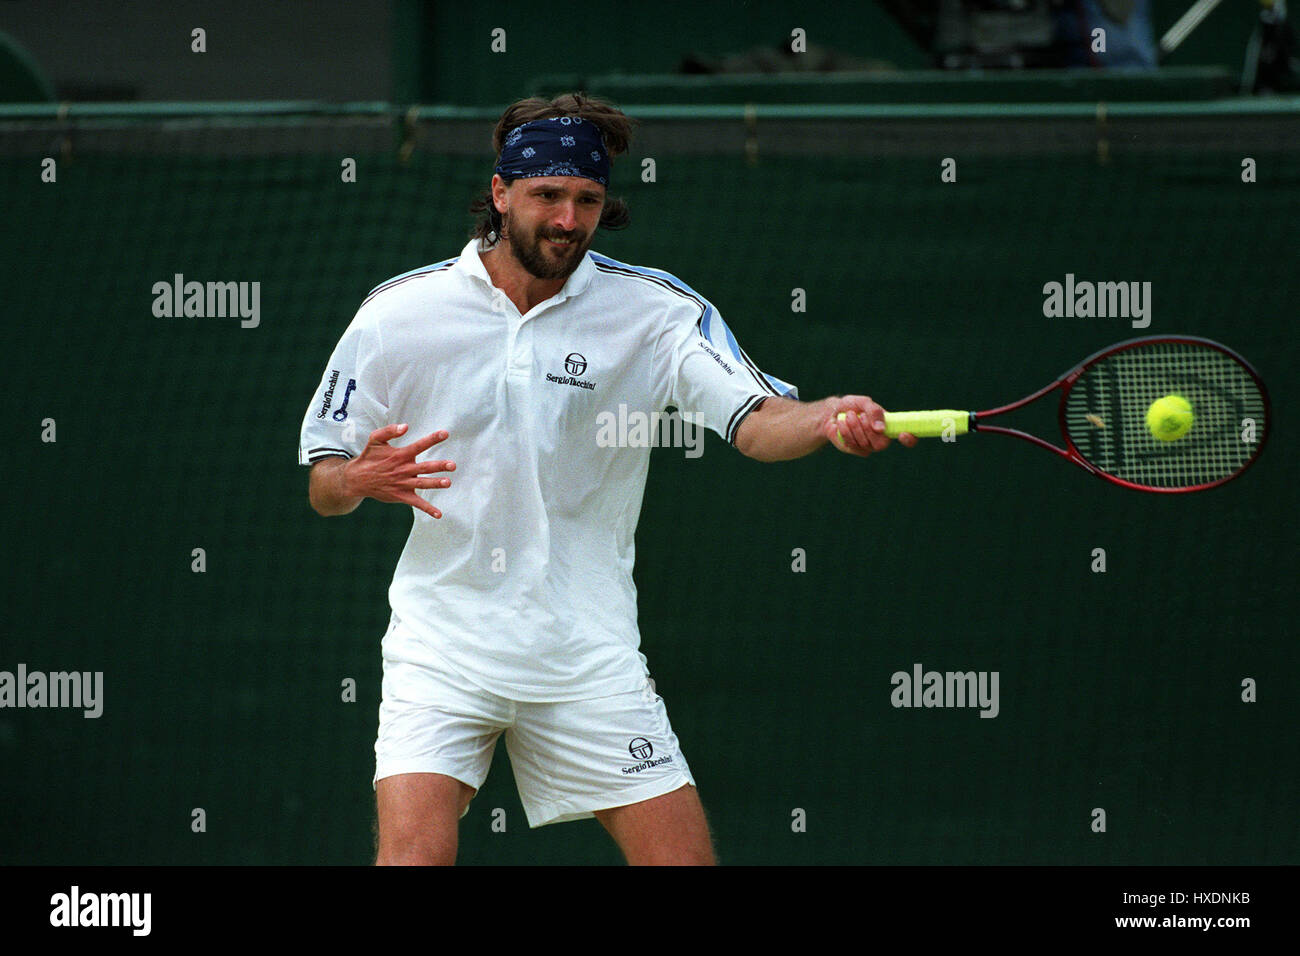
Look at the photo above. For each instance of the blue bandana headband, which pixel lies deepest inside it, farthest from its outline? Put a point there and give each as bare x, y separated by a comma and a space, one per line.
559, 146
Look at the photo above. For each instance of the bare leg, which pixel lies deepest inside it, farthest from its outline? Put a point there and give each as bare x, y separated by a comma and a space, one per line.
419, 814
668, 830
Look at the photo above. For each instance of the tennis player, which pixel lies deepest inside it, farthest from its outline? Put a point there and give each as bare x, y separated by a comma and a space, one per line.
513, 606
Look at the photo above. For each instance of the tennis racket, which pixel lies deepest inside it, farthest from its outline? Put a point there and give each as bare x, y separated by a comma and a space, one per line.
1103, 408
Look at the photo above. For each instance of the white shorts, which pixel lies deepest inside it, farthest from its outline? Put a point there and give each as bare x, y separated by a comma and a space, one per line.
569, 758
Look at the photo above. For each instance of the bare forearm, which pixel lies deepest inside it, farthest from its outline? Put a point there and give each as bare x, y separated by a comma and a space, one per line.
329, 490
783, 429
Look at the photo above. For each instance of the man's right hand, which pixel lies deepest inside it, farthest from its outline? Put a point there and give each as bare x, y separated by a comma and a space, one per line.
381, 472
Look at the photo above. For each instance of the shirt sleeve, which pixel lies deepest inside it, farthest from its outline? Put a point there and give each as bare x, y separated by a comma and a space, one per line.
351, 401
711, 377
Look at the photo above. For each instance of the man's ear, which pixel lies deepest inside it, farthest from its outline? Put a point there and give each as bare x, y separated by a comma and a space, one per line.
499, 188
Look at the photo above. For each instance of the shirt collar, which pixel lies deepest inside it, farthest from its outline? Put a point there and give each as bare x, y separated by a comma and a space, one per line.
472, 264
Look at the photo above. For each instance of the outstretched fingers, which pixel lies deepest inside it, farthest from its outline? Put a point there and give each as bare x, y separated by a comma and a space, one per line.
429, 467
415, 501
382, 436
392, 473
421, 445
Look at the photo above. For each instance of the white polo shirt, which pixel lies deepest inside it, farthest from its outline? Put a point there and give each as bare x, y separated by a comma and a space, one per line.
524, 586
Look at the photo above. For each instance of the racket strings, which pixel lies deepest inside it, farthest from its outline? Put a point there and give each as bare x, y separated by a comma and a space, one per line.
1106, 409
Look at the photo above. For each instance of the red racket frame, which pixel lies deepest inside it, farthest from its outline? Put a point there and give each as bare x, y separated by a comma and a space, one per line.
1066, 382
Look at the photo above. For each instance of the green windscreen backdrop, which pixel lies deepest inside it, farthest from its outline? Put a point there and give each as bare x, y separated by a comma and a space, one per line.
1144, 644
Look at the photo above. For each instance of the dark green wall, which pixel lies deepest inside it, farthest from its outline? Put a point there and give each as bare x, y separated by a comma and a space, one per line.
455, 62
442, 51
1118, 690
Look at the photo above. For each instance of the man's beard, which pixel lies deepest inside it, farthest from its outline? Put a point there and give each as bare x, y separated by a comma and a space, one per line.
541, 264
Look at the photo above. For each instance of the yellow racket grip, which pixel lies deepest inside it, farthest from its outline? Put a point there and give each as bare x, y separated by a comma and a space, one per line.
931, 424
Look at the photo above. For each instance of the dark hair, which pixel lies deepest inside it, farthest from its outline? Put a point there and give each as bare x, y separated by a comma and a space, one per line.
616, 129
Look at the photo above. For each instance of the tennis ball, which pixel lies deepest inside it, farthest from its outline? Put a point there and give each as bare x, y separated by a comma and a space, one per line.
1170, 418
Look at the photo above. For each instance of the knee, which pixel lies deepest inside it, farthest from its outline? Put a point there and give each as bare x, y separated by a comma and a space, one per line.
408, 851
690, 855
415, 856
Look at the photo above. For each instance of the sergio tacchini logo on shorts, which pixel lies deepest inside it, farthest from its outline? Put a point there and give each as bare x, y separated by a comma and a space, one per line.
643, 750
